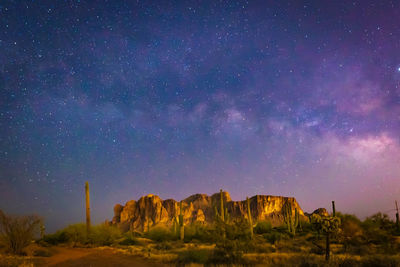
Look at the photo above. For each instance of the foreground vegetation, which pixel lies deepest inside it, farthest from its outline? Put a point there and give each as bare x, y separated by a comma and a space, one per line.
372, 242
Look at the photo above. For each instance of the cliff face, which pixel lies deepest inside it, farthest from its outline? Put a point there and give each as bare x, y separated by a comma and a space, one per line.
151, 210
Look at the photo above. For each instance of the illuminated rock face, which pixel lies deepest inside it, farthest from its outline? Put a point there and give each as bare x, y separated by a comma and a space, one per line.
151, 210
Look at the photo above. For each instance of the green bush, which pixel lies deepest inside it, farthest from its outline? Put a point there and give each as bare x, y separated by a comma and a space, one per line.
199, 232
256, 246
101, 235
56, 238
165, 245
129, 239
263, 227
42, 253
275, 236
104, 235
238, 230
76, 233
228, 252
160, 234
379, 261
200, 256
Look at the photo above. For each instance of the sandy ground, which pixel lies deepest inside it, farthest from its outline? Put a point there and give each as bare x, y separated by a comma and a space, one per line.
64, 257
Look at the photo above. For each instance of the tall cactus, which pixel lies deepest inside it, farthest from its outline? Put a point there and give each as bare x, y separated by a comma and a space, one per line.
249, 217
87, 208
223, 212
297, 219
222, 205
181, 226
175, 226
292, 223
222, 216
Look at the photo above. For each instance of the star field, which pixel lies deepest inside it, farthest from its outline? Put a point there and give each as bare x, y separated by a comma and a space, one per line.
295, 98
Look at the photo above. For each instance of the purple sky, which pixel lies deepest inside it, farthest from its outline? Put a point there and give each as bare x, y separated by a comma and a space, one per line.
293, 98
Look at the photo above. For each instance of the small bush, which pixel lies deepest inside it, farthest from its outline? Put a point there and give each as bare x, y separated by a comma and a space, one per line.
254, 246
56, 238
239, 230
163, 246
104, 235
198, 232
263, 227
75, 234
160, 234
379, 261
101, 235
274, 236
42, 253
193, 256
228, 252
17, 232
127, 241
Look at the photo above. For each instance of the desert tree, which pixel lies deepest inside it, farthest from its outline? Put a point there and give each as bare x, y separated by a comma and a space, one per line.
17, 232
328, 225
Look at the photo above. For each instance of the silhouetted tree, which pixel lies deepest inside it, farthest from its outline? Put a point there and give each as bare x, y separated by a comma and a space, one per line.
17, 232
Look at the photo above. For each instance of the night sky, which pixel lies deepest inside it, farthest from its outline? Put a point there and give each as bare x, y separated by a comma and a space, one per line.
293, 98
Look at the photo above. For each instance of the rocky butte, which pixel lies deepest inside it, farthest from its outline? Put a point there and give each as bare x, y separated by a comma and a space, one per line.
151, 210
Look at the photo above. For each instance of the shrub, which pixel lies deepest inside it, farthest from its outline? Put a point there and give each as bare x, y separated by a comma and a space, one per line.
17, 232
198, 232
263, 227
228, 252
238, 230
200, 256
104, 235
42, 253
128, 242
163, 246
56, 238
351, 233
101, 235
254, 246
379, 261
160, 234
275, 236
75, 234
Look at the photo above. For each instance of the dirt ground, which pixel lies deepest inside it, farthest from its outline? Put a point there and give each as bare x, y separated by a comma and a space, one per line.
66, 257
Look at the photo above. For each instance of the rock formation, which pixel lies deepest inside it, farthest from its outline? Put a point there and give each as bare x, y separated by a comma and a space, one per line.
151, 210
320, 212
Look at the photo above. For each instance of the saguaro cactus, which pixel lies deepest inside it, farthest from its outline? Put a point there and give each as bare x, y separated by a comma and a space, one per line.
397, 216
222, 217
297, 221
222, 205
181, 226
87, 207
292, 223
249, 217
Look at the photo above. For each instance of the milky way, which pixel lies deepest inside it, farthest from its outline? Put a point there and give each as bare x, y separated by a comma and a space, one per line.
262, 97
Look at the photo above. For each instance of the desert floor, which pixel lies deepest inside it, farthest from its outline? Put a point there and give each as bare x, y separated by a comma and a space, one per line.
66, 256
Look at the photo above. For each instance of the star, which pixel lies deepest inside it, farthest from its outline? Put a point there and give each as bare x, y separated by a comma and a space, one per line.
143, 103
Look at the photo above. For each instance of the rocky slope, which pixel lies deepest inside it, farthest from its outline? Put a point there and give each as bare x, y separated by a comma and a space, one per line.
151, 210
